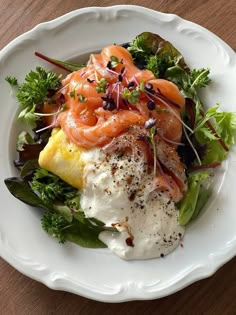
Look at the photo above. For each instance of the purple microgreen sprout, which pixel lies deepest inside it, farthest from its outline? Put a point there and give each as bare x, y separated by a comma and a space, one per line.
170, 141
112, 71
61, 109
54, 114
170, 109
150, 124
82, 74
135, 80
118, 96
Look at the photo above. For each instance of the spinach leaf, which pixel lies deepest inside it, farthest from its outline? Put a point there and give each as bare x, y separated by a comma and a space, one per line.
28, 168
21, 190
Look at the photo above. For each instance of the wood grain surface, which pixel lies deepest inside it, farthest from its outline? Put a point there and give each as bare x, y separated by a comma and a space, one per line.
21, 295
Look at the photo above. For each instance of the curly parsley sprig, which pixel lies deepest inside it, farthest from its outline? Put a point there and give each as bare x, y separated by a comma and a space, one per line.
12, 81
35, 91
55, 225
50, 187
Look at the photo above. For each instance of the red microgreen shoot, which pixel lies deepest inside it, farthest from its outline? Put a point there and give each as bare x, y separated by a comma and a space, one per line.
112, 71
52, 125
150, 124
118, 96
152, 133
170, 141
68, 66
54, 114
135, 80
208, 123
205, 166
171, 110
166, 99
61, 109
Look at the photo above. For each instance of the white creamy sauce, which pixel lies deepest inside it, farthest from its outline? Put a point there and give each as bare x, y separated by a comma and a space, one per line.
118, 193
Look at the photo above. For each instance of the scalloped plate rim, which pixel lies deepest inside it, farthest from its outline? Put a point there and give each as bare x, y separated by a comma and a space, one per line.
63, 280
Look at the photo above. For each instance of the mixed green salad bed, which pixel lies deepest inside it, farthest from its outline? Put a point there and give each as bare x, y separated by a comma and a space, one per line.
208, 135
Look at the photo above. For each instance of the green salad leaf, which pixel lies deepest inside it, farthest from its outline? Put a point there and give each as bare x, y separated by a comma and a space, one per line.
60, 227
188, 207
65, 65
155, 53
21, 189
63, 218
224, 124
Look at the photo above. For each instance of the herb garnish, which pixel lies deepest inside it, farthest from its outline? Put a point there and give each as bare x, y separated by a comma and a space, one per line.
50, 187
114, 62
12, 81
131, 96
55, 225
72, 92
34, 91
101, 85
81, 98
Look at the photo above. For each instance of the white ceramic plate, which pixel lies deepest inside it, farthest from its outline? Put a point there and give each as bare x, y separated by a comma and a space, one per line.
98, 274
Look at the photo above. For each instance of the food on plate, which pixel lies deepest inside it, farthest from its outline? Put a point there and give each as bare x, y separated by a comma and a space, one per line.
121, 149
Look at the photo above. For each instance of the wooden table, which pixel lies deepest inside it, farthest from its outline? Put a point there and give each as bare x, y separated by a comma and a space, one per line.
21, 295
